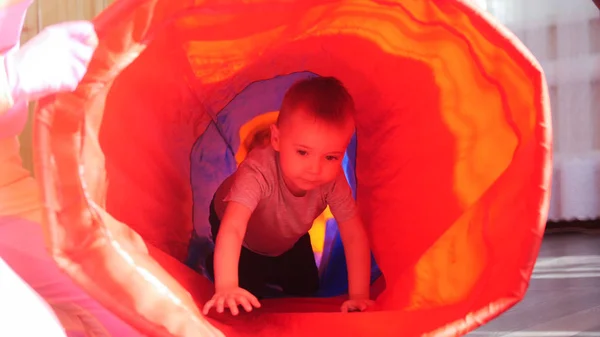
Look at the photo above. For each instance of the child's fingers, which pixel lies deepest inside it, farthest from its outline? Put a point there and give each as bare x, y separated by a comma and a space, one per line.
243, 301
207, 307
253, 300
220, 304
233, 306
354, 306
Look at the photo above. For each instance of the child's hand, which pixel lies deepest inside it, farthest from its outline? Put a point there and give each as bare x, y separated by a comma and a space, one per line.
357, 305
53, 61
232, 298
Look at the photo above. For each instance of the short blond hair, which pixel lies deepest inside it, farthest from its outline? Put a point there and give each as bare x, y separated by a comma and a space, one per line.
325, 97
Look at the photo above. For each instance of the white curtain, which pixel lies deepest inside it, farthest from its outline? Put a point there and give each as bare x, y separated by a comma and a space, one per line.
564, 35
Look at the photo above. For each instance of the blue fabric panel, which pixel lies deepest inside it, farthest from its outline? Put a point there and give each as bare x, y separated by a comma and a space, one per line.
211, 162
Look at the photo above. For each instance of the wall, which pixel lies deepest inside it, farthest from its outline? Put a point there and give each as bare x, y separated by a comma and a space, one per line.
564, 35
42, 14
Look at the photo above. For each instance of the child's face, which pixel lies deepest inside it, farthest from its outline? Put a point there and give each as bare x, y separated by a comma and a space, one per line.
310, 150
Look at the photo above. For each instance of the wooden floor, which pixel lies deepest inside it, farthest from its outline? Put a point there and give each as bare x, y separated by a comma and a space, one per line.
564, 294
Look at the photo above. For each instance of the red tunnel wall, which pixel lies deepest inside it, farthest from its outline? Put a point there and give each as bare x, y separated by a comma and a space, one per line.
438, 219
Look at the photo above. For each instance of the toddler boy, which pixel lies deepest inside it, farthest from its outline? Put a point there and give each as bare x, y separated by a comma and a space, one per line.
260, 215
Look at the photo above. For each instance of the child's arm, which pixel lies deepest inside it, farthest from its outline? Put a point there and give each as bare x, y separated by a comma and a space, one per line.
358, 260
229, 244
226, 260
356, 244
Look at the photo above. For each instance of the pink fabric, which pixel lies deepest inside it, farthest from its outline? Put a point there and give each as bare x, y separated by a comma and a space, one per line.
13, 121
22, 311
53, 61
6, 99
12, 18
23, 249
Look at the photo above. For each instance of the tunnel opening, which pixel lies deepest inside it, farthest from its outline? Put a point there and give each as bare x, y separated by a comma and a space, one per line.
170, 181
224, 144
401, 181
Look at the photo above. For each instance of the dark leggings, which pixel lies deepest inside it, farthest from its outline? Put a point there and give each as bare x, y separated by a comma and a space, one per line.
295, 271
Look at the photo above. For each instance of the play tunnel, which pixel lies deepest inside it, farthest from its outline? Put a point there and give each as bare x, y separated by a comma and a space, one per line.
450, 163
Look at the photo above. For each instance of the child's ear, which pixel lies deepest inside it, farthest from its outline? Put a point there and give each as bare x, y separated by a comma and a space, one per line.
275, 137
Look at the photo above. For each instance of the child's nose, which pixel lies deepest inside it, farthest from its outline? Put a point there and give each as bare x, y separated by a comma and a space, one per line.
314, 166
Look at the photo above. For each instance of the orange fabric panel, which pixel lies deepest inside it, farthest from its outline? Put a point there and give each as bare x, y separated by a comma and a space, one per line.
453, 158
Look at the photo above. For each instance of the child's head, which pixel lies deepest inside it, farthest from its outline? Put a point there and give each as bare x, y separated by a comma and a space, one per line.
315, 125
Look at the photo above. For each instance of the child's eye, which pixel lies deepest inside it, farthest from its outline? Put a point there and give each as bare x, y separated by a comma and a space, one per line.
331, 158
302, 152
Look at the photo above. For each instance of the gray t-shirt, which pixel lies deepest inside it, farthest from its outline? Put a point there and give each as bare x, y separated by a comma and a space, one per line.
279, 218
